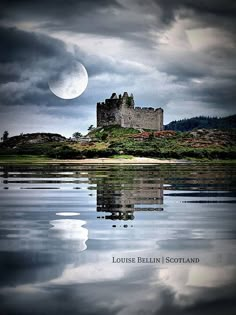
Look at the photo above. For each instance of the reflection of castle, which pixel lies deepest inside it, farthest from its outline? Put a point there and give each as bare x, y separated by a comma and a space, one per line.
121, 199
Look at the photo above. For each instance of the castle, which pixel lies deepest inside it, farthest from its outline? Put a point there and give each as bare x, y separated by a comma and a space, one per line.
122, 111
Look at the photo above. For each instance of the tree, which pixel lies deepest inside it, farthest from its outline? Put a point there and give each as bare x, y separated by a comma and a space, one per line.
77, 135
91, 127
5, 136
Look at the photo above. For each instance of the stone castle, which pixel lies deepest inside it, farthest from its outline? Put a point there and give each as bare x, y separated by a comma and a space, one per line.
121, 110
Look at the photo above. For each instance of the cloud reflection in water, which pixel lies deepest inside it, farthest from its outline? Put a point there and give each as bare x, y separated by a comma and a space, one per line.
71, 229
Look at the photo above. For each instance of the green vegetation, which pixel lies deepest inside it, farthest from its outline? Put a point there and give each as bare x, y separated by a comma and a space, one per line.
201, 122
170, 150
122, 156
121, 141
77, 135
117, 142
21, 159
129, 101
112, 133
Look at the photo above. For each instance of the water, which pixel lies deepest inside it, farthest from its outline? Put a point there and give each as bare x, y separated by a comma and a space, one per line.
83, 239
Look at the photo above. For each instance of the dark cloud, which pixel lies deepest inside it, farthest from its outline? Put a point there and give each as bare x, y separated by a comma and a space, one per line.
59, 9
24, 47
218, 93
26, 61
29, 59
214, 7
115, 18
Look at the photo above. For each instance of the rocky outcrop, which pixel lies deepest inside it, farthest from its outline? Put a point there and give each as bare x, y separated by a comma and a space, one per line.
207, 137
201, 138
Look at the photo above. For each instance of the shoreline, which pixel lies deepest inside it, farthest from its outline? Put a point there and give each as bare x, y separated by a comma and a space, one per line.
134, 160
36, 160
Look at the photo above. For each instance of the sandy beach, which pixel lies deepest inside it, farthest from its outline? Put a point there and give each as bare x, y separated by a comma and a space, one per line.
134, 160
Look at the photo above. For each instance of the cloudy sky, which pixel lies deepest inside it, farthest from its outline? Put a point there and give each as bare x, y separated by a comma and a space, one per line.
176, 54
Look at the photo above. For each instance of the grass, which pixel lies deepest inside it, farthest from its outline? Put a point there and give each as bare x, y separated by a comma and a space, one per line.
112, 133
21, 159
213, 161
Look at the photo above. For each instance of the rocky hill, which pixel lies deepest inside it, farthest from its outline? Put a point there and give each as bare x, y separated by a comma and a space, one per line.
204, 138
32, 138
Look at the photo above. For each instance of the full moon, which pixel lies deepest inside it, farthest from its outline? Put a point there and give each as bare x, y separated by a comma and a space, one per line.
70, 82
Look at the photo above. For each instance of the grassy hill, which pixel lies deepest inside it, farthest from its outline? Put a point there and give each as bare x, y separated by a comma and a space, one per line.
202, 122
117, 141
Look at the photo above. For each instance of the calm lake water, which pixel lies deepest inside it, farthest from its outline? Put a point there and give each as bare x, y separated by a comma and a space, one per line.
85, 239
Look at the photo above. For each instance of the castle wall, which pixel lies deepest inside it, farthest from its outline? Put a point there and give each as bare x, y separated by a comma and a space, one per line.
108, 113
144, 118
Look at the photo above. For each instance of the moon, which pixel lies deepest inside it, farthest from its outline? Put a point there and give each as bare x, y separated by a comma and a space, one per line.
70, 81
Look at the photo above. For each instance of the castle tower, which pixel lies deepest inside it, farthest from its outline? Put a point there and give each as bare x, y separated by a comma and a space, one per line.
121, 111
